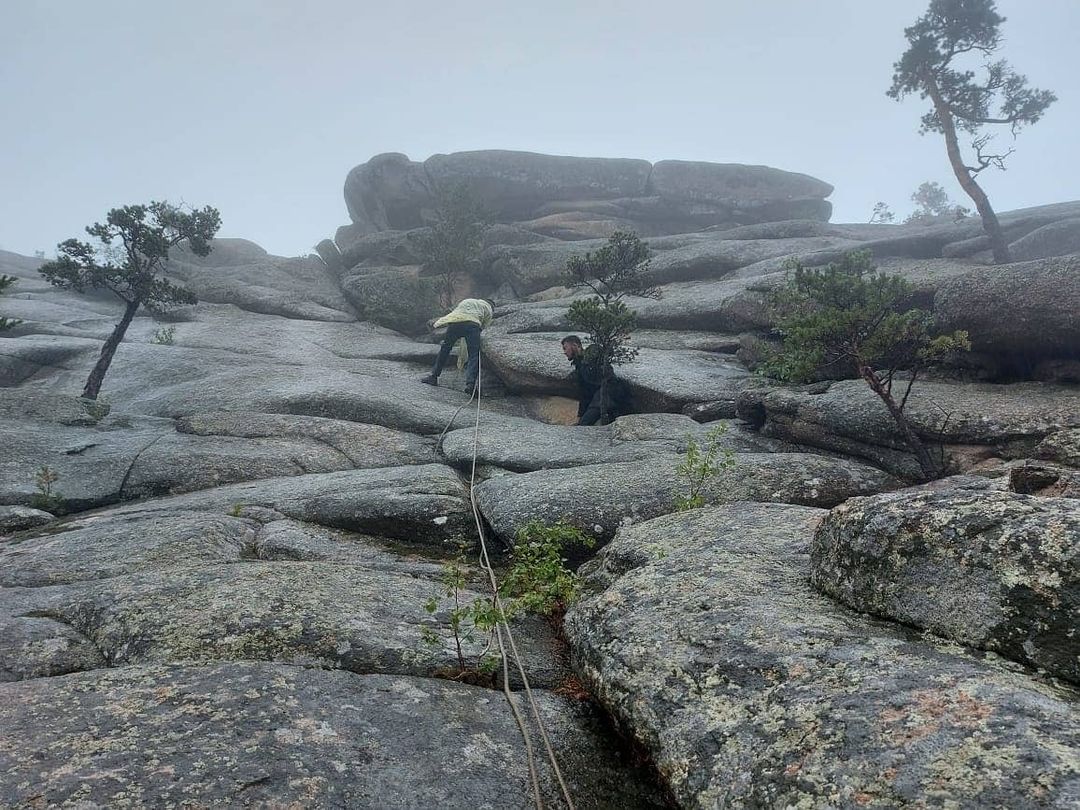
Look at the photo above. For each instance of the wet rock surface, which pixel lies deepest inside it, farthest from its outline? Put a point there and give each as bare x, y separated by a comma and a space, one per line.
599, 498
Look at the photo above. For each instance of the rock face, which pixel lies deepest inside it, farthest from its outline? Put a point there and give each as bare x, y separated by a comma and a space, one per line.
1024, 312
308, 738
249, 527
390, 192
993, 570
600, 498
704, 638
846, 417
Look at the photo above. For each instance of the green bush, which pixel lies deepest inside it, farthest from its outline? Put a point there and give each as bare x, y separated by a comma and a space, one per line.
846, 317
700, 465
164, 336
539, 581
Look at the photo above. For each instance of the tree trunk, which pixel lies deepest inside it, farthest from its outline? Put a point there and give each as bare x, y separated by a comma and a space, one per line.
93, 382
930, 470
982, 203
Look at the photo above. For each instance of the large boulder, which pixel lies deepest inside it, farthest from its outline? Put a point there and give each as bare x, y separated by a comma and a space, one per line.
704, 638
526, 448
242, 273
993, 570
1022, 312
599, 498
424, 504
846, 417
753, 193
659, 379
1055, 239
575, 197
515, 184
387, 193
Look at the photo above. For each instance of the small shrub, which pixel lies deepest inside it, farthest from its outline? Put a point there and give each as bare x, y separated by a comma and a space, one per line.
469, 623
164, 336
539, 581
700, 465
236, 509
45, 499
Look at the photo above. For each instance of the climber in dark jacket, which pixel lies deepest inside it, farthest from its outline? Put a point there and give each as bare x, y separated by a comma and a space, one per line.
588, 377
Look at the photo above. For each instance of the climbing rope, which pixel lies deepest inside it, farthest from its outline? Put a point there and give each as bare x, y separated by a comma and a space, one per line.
503, 626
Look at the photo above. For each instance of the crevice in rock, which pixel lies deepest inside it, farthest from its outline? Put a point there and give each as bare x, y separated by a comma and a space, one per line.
134, 461
59, 618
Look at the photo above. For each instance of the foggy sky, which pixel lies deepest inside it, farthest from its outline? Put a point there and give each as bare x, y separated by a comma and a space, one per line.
260, 107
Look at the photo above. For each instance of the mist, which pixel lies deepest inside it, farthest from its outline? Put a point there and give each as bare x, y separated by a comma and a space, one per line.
261, 108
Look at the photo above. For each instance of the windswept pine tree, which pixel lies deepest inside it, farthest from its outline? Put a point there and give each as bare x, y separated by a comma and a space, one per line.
963, 99
132, 247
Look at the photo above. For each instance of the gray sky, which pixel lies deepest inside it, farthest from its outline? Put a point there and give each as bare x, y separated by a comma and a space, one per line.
260, 107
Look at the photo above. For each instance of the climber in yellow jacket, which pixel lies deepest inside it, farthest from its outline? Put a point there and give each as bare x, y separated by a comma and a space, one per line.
465, 321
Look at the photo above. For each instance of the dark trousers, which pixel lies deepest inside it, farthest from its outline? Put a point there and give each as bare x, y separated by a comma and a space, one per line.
455, 332
590, 413
616, 400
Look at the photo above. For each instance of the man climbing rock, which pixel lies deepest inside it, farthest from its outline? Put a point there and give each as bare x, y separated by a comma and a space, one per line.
463, 322
589, 377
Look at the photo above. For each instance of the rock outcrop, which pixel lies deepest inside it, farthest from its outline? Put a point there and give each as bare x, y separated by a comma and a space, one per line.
568, 196
246, 537
993, 570
704, 638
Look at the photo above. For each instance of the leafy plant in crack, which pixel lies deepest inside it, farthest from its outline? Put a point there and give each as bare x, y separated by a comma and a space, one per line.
469, 623
539, 580
700, 465
164, 336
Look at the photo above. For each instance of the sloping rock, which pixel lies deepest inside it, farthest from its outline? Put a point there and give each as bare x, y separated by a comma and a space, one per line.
1056, 239
847, 417
102, 546
177, 462
17, 518
316, 614
26, 358
705, 640
123, 457
395, 297
42, 647
660, 380
289, 340
754, 193
363, 445
521, 448
93, 463
993, 570
599, 498
423, 504
515, 184
1024, 312
306, 738
242, 273
175, 381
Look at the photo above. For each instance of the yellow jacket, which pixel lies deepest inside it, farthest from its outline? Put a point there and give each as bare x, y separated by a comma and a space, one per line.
468, 309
